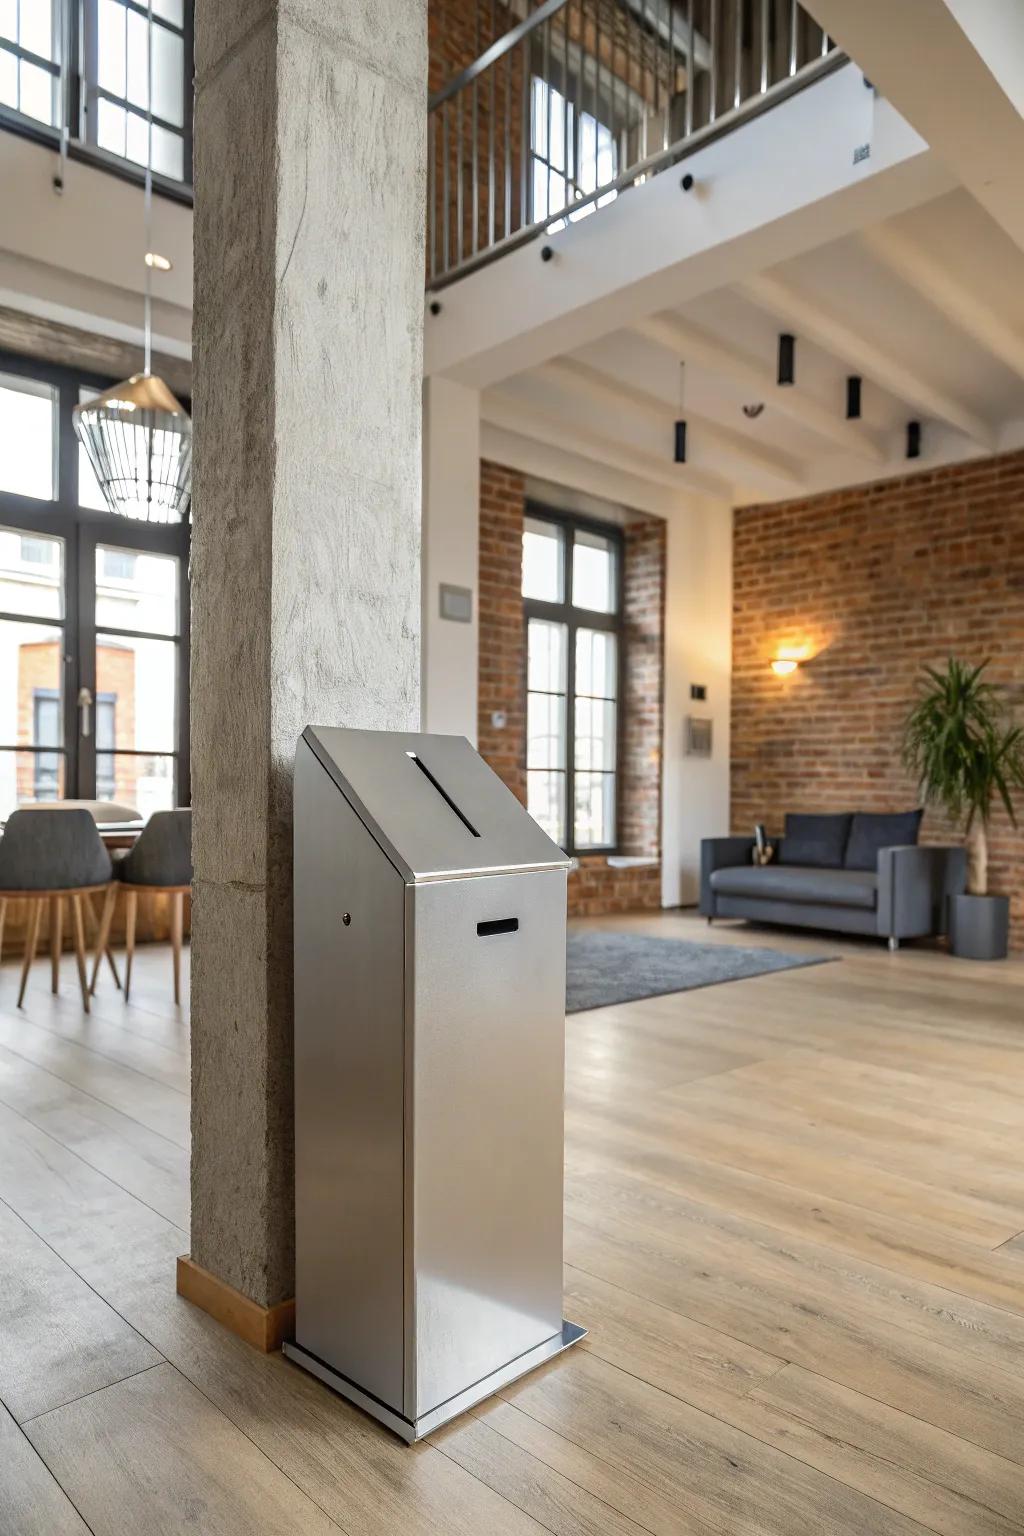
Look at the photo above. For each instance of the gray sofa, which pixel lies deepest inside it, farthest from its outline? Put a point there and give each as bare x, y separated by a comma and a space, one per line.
897, 891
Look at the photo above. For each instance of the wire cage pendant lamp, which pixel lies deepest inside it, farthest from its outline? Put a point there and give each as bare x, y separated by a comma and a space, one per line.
137, 436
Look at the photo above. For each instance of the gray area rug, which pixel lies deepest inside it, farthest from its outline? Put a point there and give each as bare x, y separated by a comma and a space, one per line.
605, 968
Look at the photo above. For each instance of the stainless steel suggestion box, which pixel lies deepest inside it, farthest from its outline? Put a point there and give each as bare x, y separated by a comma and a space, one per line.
429, 1067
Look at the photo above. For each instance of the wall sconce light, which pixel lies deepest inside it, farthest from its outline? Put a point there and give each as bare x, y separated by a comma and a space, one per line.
784, 666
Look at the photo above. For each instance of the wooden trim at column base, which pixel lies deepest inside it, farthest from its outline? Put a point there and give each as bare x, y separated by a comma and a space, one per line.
265, 1328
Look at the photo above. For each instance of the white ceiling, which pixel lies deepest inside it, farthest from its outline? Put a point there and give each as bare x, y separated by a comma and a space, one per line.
928, 308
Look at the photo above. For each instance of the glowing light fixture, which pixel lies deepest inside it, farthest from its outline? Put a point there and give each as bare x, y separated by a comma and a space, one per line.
784, 666
137, 436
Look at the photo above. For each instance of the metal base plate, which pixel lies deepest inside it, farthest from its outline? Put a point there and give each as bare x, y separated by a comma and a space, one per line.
414, 1429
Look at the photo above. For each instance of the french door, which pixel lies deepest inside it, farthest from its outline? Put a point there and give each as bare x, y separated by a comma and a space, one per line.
93, 663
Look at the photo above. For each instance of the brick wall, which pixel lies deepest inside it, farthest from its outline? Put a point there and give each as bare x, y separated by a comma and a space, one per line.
595, 887
874, 581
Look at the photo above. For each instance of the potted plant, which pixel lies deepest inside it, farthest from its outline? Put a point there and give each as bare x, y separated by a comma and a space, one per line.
967, 753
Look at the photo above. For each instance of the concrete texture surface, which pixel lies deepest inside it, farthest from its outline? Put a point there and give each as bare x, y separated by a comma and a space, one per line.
310, 184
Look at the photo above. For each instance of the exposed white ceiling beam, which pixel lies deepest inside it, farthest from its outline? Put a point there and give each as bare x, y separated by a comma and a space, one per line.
810, 318
549, 427
955, 70
578, 472
962, 306
691, 344
758, 461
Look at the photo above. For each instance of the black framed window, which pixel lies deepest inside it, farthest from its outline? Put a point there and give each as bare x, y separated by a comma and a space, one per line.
572, 602
572, 151
81, 67
93, 616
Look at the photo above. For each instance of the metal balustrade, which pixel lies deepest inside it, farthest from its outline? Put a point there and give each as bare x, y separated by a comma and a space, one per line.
577, 100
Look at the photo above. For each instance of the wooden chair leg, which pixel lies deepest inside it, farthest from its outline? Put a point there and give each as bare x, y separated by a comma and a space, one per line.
103, 934
56, 940
79, 927
131, 901
177, 916
93, 928
31, 939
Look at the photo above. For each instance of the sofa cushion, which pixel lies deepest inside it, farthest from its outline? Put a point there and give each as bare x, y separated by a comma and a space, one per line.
816, 840
782, 882
870, 833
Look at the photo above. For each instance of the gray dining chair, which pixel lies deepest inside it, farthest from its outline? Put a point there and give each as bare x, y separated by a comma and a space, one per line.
49, 856
160, 861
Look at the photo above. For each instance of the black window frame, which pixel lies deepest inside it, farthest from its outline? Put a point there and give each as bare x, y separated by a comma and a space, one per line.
82, 529
576, 618
74, 118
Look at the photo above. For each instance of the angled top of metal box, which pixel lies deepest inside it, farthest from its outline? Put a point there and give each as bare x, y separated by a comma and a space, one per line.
432, 803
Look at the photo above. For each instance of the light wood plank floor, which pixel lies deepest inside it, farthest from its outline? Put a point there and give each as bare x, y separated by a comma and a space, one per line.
794, 1228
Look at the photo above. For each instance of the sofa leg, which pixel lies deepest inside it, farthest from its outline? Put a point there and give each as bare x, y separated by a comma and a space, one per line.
710, 919
894, 944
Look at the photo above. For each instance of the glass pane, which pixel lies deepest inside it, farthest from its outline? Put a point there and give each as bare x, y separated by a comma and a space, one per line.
31, 574
112, 63
9, 19
137, 60
36, 33
543, 561
594, 740
135, 590
545, 670
593, 572
136, 684
89, 493
36, 92
147, 783
545, 801
110, 127
171, 10
27, 416
595, 810
168, 149
8, 79
168, 76
29, 776
31, 672
545, 730
596, 663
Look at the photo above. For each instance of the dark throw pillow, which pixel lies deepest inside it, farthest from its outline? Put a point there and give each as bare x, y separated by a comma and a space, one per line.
869, 833
816, 840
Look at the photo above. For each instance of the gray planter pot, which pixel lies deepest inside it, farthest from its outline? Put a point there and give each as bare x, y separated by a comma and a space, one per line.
979, 927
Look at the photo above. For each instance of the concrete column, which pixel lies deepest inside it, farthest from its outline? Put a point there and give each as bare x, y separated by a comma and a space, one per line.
310, 137
451, 543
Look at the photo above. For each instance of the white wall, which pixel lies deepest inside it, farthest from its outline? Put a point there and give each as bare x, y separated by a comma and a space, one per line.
77, 256
698, 649
450, 554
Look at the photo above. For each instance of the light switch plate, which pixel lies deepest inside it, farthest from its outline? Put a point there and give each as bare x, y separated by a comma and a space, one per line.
456, 603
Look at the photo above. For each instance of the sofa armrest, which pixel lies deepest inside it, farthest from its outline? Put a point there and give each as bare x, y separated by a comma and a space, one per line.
914, 886
720, 853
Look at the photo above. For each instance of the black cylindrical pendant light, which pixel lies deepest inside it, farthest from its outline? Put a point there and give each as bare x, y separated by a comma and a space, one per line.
680, 448
853, 398
913, 439
787, 358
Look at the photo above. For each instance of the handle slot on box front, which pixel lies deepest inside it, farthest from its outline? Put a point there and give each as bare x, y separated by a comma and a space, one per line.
498, 925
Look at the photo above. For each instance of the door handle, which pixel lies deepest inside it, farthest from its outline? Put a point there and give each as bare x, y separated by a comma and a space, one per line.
84, 711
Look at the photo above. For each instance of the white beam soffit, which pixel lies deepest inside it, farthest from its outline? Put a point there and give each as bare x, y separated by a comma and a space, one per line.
955, 70
810, 318
771, 190
548, 427
594, 382
757, 375
962, 306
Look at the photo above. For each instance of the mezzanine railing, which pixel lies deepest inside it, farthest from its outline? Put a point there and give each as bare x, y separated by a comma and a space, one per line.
576, 100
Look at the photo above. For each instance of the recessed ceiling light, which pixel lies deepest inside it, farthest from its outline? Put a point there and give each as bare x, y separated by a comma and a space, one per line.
161, 263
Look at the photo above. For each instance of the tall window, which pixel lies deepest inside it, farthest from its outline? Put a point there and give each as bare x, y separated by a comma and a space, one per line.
93, 616
572, 602
571, 154
102, 100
